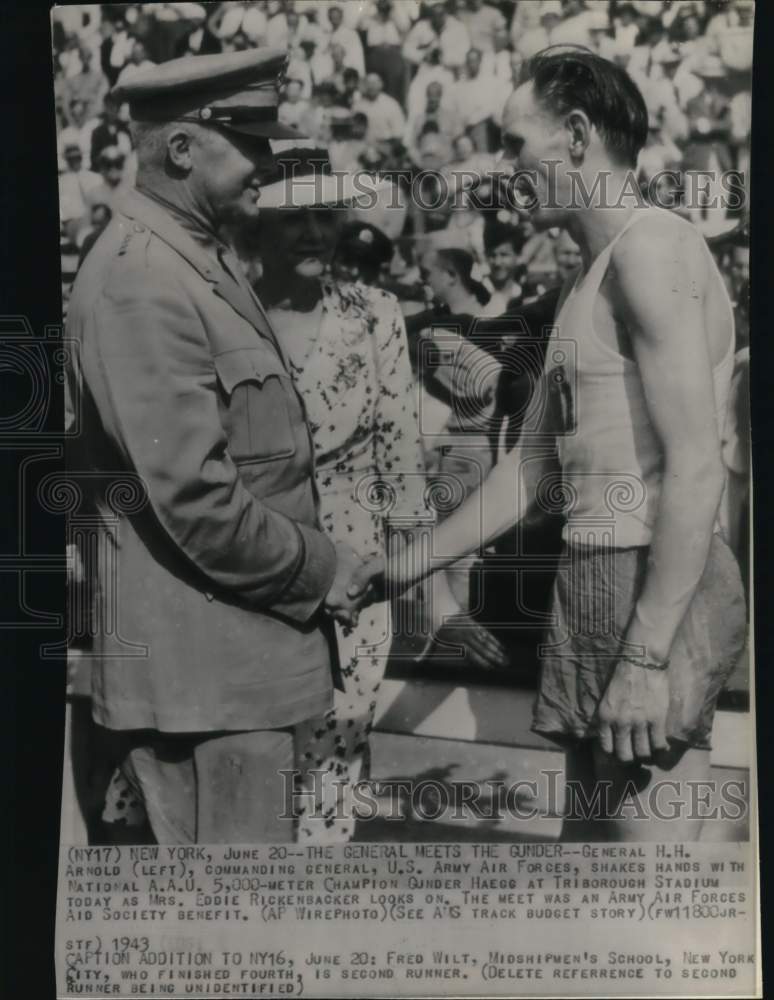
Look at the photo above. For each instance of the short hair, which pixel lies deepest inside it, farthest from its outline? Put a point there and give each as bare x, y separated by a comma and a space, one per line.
567, 77
149, 139
461, 263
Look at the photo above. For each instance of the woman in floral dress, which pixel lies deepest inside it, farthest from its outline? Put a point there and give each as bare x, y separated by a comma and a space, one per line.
345, 346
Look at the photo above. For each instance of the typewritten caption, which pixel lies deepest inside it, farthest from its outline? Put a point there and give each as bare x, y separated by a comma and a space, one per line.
406, 919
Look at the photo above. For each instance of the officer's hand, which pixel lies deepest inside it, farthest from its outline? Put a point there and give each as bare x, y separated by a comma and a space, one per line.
350, 589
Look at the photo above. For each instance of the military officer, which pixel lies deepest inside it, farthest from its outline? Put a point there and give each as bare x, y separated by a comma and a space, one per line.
213, 578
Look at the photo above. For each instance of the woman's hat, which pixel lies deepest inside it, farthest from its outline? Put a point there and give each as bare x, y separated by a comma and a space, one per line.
303, 178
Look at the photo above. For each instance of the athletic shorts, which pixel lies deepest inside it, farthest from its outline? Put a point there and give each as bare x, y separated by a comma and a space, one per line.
593, 600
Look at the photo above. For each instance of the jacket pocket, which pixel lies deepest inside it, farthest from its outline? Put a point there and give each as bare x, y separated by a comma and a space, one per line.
259, 397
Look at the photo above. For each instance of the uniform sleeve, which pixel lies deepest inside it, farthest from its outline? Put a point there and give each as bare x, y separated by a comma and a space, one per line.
162, 397
399, 453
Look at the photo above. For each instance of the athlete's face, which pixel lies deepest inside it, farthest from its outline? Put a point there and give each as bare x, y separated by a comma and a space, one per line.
536, 147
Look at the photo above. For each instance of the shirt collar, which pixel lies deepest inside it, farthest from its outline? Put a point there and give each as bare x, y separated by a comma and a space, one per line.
192, 222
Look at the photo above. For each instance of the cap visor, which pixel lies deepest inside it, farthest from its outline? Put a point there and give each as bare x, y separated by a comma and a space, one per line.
320, 190
265, 130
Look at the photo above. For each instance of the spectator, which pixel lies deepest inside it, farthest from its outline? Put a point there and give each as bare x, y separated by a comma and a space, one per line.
568, 256
438, 39
76, 184
138, 62
116, 49
442, 113
300, 69
350, 93
625, 27
288, 30
468, 164
425, 75
347, 38
322, 111
483, 22
349, 142
473, 100
730, 35
78, 133
660, 91
502, 244
516, 67
383, 53
497, 63
526, 17
111, 131
600, 38
539, 259
659, 154
538, 35
99, 217
708, 149
337, 55
89, 86
113, 185
386, 120
293, 109
573, 28
245, 17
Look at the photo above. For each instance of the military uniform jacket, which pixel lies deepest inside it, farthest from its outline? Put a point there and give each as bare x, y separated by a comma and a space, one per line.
194, 448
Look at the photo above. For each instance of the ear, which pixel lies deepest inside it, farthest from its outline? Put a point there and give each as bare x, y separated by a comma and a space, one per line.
579, 128
179, 149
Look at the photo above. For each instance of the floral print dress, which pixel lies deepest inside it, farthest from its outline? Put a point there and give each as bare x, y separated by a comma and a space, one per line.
350, 362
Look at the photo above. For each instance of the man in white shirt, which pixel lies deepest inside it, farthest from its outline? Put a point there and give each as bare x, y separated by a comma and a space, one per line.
138, 62
438, 39
76, 184
77, 133
347, 38
293, 108
245, 17
438, 109
573, 29
386, 120
474, 97
483, 23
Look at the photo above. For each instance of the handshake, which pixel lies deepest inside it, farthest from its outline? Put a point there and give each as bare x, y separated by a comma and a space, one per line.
357, 584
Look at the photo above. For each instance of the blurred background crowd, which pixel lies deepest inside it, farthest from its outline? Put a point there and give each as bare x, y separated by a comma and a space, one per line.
413, 91
399, 87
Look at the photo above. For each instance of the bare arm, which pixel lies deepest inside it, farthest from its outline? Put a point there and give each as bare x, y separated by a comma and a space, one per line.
660, 281
511, 494
659, 277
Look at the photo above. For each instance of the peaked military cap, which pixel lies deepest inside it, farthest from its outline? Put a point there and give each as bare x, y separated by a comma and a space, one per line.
234, 90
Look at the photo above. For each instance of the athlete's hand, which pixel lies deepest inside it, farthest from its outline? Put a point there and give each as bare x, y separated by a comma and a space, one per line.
631, 720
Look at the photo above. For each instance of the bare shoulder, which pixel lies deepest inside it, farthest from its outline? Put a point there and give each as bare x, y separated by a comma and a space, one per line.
658, 243
657, 262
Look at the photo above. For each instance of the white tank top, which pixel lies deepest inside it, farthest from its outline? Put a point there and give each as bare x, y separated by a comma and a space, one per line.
610, 456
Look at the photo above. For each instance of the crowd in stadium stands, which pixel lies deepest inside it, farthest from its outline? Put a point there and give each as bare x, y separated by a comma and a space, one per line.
405, 87
413, 90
